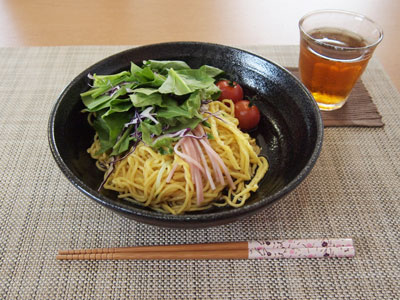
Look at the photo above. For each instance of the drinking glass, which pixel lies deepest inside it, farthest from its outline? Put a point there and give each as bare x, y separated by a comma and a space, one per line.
335, 47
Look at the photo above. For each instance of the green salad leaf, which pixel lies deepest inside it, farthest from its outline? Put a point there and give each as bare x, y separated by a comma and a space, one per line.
148, 103
140, 99
118, 105
122, 143
109, 128
189, 108
185, 81
162, 66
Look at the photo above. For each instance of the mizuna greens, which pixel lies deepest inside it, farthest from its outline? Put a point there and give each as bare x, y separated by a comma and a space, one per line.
157, 103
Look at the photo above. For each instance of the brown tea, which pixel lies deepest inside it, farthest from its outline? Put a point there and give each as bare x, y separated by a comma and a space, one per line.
330, 63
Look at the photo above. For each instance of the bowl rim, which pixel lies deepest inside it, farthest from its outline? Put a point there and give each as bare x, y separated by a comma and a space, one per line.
203, 217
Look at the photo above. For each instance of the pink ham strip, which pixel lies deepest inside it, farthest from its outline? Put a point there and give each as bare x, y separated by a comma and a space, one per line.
211, 152
197, 146
196, 176
186, 151
217, 170
185, 156
193, 154
171, 173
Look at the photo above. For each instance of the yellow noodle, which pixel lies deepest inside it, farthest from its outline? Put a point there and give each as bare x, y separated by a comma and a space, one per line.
141, 177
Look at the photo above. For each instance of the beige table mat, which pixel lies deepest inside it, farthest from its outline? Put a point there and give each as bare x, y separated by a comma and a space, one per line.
353, 191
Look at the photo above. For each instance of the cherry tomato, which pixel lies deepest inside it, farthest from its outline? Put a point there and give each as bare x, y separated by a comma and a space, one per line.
248, 116
230, 90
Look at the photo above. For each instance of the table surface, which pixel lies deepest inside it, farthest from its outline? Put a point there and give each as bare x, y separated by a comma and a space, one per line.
129, 22
352, 191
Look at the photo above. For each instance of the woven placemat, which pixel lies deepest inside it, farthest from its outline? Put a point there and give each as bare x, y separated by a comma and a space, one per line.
359, 110
353, 191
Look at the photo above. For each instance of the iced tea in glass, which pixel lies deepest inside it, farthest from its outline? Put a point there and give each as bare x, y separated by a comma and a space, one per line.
335, 47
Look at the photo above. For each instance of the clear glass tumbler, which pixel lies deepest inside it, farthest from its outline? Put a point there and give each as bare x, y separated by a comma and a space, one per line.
335, 47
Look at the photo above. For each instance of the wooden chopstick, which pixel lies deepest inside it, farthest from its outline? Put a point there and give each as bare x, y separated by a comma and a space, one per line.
311, 248
162, 248
217, 254
245, 245
173, 255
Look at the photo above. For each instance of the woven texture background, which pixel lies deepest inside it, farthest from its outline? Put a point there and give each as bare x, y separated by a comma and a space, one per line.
353, 191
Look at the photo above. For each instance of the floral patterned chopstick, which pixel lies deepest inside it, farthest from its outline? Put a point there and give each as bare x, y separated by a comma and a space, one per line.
261, 249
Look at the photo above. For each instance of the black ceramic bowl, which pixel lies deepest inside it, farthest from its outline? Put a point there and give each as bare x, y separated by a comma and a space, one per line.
290, 131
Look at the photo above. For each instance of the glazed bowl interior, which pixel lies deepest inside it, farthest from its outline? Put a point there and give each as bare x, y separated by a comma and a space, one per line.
290, 131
